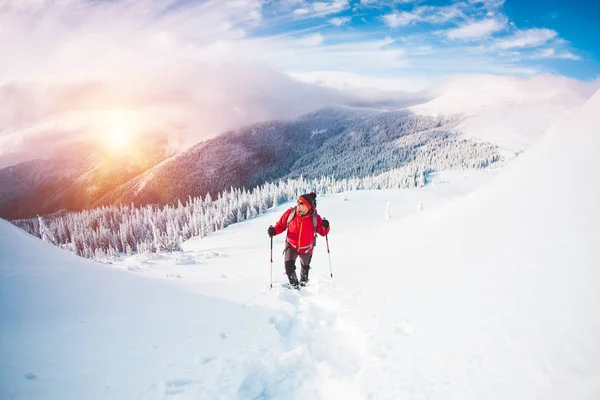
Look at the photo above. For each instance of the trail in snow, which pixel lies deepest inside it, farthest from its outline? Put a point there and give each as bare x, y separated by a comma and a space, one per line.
317, 352
320, 346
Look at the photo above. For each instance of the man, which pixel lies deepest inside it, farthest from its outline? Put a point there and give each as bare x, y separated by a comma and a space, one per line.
301, 236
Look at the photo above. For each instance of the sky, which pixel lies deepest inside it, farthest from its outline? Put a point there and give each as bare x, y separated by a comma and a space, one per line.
193, 69
412, 44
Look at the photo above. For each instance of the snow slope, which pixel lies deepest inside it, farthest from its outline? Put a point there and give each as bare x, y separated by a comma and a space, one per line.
500, 290
74, 329
491, 292
511, 112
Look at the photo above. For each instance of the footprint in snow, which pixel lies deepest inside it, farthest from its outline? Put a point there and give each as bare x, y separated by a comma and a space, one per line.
404, 328
175, 386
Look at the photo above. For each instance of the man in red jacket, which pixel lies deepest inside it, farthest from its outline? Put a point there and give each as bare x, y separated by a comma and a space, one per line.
302, 223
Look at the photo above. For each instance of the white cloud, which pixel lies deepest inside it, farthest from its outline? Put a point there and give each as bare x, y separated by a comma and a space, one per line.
304, 55
527, 38
187, 103
546, 53
353, 81
317, 9
440, 15
567, 55
339, 21
315, 39
477, 30
330, 7
488, 3
387, 2
83, 38
430, 14
551, 53
403, 18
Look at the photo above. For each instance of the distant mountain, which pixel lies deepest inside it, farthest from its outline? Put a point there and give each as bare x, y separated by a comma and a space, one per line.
340, 141
74, 180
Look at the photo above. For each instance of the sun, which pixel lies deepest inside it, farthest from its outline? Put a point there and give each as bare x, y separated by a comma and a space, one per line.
116, 132
118, 141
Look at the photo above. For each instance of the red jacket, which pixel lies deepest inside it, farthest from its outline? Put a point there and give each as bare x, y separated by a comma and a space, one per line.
300, 230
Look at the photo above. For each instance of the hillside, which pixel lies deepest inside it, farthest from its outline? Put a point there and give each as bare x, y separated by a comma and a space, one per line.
73, 180
341, 142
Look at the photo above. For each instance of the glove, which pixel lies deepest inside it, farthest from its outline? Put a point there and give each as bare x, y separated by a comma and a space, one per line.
271, 231
325, 224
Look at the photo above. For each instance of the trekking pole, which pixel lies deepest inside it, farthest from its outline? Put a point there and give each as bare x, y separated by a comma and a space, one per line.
271, 262
329, 255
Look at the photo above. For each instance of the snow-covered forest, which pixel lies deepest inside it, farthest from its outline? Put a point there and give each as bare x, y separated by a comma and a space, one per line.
105, 232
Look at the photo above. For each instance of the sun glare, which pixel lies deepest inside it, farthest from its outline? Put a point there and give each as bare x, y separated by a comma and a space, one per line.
117, 132
118, 140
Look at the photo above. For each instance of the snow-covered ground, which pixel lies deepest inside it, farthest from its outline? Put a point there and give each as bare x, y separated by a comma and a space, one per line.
492, 291
509, 111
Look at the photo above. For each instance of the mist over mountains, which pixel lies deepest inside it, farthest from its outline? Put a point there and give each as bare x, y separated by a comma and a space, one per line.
340, 142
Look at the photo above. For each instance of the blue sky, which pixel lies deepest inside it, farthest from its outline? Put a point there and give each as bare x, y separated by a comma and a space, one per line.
387, 44
575, 21
437, 38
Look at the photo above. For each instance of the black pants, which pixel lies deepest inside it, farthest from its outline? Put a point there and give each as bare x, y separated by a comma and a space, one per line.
290, 256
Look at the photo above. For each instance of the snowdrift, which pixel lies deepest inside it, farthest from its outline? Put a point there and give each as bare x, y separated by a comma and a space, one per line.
497, 295
74, 329
511, 112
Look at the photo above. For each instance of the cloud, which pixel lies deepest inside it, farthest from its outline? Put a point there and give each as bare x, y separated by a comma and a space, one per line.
184, 103
306, 10
527, 38
489, 4
429, 14
477, 30
357, 83
387, 2
311, 40
339, 21
545, 53
299, 55
172, 66
551, 53
332, 6
85, 38
403, 18
567, 55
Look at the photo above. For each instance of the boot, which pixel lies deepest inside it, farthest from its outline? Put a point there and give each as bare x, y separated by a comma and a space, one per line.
290, 270
293, 280
304, 275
